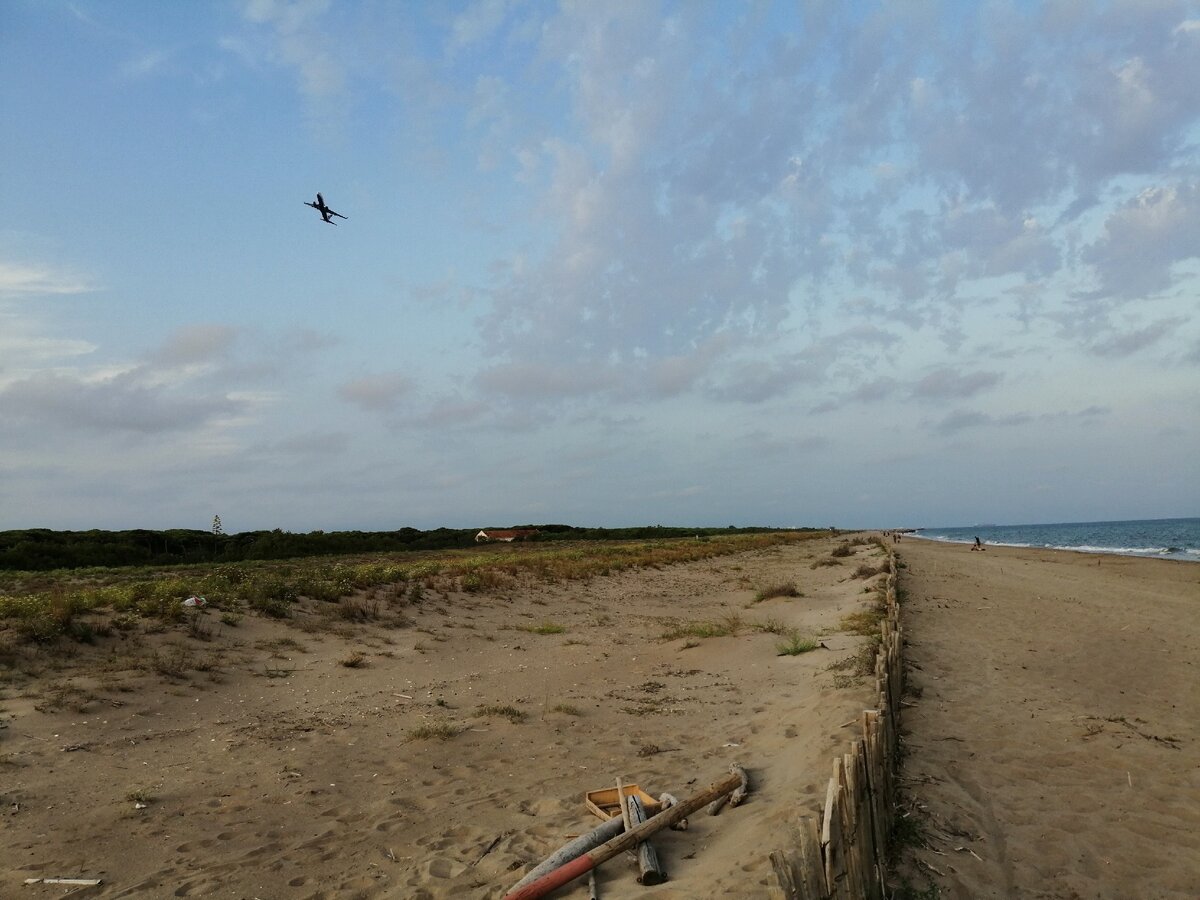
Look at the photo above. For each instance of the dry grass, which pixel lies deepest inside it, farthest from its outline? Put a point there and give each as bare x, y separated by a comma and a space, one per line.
441, 731
787, 589
727, 625
865, 622
507, 711
543, 628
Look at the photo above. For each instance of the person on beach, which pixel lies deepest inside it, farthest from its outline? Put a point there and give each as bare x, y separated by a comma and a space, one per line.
978, 543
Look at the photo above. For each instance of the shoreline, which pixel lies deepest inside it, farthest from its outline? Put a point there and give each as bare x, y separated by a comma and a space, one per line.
1087, 550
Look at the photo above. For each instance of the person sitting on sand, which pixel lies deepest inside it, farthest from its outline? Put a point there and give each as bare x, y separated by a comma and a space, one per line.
978, 544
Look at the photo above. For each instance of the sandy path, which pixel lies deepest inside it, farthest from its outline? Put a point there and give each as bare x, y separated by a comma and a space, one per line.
272, 770
1056, 735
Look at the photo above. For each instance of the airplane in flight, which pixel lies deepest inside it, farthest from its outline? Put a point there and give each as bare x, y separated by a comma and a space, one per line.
324, 210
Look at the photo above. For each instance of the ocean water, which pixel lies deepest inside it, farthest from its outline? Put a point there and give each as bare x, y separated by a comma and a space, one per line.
1161, 538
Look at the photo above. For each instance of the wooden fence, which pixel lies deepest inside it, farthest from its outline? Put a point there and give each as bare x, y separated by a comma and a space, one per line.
844, 857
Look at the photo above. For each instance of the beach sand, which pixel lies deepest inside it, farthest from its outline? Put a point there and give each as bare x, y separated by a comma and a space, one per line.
1054, 733
250, 761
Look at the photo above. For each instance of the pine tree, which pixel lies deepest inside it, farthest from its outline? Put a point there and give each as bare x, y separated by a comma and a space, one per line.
216, 526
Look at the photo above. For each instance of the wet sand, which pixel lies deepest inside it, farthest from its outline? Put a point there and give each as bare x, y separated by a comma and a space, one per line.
1054, 733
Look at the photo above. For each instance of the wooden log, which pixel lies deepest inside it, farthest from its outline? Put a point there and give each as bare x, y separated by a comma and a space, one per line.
622, 842
650, 870
666, 801
743, 790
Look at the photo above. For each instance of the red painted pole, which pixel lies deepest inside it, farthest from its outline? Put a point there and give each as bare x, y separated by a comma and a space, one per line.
551, 880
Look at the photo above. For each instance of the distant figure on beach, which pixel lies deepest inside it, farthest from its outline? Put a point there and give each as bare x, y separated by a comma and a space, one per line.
978, 544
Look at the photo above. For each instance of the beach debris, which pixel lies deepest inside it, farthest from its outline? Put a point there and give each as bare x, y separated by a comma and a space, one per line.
666, 801
195, 601
490, 847
593, 891
737, 796
650, 870
588, 860
82, 882
606, 803
621, 803
576, 848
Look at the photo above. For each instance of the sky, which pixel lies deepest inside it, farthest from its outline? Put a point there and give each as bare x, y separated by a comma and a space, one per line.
819, 263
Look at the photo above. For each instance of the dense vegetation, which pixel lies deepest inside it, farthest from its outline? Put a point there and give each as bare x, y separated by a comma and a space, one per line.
37, 607
40, 549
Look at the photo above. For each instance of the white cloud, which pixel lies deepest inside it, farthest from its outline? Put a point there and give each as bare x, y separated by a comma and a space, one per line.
17, 279
1145, 237
377, 393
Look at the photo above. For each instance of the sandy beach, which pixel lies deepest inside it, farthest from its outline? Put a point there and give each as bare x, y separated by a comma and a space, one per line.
274, 759
1053, 734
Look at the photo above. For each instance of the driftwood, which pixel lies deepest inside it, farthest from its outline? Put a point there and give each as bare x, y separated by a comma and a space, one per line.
650, 870
622, 842
87, 882
737, 796
666, 801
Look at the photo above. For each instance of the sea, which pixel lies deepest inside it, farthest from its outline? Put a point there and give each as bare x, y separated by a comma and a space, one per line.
1158, 538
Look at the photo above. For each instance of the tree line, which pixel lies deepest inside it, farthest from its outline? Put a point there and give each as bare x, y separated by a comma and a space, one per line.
43, 549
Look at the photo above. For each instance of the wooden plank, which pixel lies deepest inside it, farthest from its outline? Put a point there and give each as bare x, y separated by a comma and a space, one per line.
836, 876
785, 887
810, 868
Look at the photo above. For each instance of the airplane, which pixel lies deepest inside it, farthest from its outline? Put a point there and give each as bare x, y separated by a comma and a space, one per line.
324, 210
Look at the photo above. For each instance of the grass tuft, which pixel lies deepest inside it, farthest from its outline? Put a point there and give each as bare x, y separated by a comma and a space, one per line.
544, 628
787, 589
797, 645
441, 731
727, 625
508, 711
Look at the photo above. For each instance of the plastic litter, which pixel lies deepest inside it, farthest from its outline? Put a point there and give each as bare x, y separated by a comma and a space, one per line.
195, 601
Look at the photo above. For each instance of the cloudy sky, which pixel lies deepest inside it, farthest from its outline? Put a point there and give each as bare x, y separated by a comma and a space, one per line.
903, 263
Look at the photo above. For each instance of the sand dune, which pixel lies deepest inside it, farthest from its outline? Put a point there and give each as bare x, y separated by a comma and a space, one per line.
1055, 743
256, 763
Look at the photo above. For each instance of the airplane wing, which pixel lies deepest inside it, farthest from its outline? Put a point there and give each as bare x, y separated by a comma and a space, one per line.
339, 215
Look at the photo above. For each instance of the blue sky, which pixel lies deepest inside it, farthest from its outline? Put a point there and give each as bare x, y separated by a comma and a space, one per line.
906, 263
